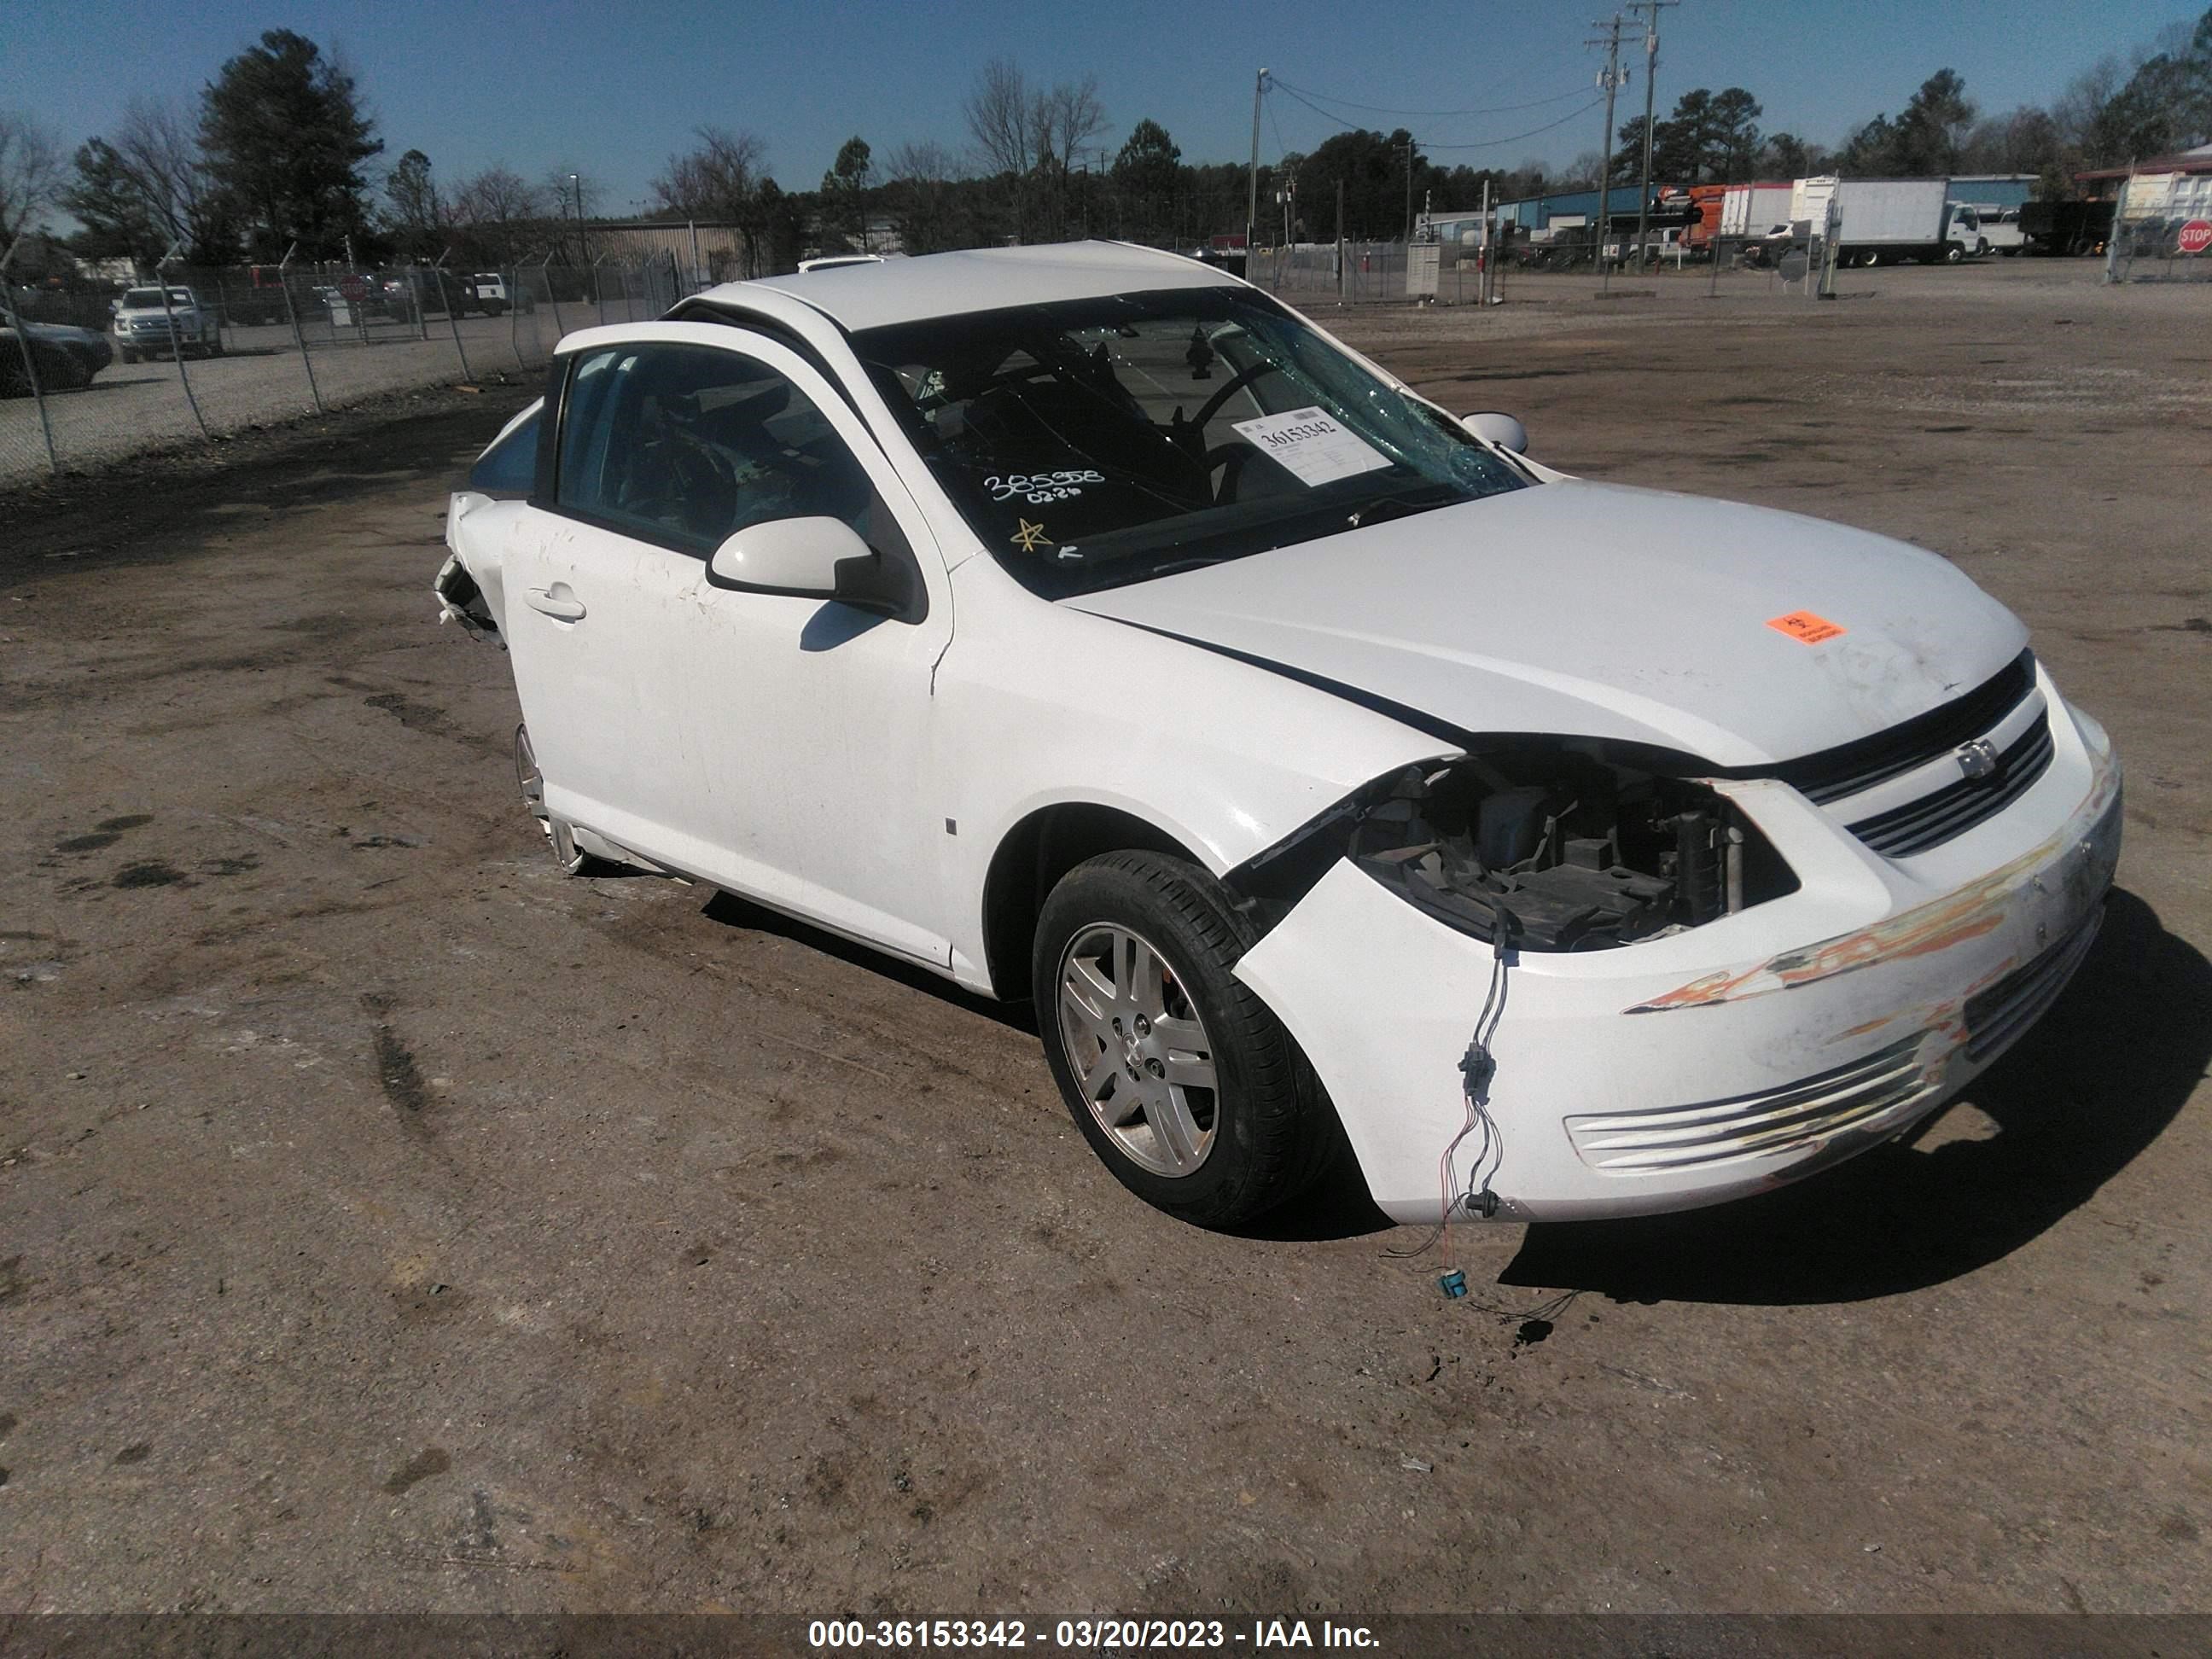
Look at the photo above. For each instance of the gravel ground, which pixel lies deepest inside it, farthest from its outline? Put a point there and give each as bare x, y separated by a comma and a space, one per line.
387, 1223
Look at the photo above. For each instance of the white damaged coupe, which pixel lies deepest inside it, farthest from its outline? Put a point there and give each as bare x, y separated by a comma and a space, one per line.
1084, 624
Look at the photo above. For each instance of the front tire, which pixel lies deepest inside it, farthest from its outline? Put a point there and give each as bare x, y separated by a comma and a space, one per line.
1184, 1083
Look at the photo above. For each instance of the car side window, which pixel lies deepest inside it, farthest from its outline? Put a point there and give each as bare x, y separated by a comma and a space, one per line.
683, 445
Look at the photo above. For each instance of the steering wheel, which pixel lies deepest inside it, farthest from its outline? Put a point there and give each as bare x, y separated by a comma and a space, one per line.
1231, 459
1231, 456
1234, 383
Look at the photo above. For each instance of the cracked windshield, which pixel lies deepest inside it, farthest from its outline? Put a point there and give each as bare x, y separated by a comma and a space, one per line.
1091, 443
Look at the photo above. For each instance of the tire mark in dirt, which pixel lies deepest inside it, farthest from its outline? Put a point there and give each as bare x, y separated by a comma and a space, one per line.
425, 1463
397, 1073
424, 717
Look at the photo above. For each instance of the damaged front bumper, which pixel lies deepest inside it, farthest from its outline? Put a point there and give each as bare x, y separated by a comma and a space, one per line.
1719, 1062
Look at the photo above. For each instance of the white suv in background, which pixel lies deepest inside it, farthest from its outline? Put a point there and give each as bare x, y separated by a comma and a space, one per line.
144, 328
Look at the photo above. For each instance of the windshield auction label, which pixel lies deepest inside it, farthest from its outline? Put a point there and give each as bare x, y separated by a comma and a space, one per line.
1315, 448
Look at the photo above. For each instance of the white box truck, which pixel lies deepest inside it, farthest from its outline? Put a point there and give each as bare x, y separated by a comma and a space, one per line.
1888, 221
1752, 210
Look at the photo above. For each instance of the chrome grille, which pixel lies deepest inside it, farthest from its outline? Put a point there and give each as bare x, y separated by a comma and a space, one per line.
1995, 1017
1957, 807
1796, 1118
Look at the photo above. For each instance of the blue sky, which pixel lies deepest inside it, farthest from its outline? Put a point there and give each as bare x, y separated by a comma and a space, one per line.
610, 89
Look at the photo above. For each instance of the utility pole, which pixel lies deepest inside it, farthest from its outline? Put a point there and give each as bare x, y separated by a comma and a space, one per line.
1610, 78
1489, 249
1252, 193
1409, 198
1650, 9
1339, 240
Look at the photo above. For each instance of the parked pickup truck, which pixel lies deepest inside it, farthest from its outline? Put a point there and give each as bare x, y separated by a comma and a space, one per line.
144, 328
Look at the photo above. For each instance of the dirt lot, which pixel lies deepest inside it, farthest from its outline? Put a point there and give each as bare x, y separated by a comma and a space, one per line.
388, 1223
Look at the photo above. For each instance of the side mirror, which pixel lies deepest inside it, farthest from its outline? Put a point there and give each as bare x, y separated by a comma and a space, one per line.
788, 555
820, 558
1501, 429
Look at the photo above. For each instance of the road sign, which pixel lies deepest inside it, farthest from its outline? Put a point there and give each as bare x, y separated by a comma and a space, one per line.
353, 287
2196, 235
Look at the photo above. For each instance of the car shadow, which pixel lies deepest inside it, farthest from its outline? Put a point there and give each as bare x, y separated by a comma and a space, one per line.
2093, 1084
732, 911
1337, 1206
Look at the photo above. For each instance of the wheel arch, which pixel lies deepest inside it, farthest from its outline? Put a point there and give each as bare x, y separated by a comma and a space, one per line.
1028, 863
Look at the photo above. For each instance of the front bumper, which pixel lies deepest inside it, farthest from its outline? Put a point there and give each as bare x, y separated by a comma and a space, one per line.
1722, 1061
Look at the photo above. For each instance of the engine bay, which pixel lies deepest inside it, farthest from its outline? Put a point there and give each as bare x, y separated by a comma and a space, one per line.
1562, 851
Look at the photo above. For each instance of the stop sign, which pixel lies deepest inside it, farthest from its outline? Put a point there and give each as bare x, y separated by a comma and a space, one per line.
354, 288
2196, 235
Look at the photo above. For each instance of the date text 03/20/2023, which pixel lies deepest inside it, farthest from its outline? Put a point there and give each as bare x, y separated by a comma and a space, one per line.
1258, 1635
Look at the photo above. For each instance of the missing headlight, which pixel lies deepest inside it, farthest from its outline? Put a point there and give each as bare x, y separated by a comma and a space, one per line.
1579, 855
1574, 853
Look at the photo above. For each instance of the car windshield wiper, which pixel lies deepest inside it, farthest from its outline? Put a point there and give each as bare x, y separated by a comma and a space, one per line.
1398, 506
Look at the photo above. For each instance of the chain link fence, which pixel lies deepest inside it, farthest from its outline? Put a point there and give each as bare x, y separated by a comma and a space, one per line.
2162, 230
1319, 272
1355, 271
92, 376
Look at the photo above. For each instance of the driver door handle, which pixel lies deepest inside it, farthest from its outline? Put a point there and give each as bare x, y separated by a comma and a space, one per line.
558, 602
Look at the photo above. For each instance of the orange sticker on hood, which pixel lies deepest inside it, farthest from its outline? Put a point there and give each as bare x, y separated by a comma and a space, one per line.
1805, 628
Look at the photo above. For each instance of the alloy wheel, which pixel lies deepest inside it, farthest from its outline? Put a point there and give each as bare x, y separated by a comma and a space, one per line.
1138, 1049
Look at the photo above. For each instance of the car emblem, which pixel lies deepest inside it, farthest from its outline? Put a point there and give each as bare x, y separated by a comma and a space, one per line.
1977, 760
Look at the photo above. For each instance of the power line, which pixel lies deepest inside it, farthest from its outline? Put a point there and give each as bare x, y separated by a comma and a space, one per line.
1515, 137
1385, 109
1483, 144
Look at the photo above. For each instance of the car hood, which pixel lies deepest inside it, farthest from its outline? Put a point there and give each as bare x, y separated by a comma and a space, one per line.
1600, 611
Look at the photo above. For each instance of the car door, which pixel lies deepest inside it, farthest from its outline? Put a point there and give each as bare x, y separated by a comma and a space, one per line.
777, 745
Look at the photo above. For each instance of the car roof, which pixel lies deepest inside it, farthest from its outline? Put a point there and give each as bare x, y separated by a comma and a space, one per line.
982, 279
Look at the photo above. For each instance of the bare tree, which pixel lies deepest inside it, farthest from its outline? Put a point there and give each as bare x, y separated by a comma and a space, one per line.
1581, 173
30, 175
573, 193
497, 195
1001, 117
496, 204
714, 180
924, 204
161, 149
723, 178
2077, 109
927, 162
1063, 120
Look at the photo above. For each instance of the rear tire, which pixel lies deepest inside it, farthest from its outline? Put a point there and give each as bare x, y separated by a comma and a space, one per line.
1184, 1083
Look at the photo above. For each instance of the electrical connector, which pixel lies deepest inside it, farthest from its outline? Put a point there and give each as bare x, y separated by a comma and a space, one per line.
1452, 1284
1476, 1067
